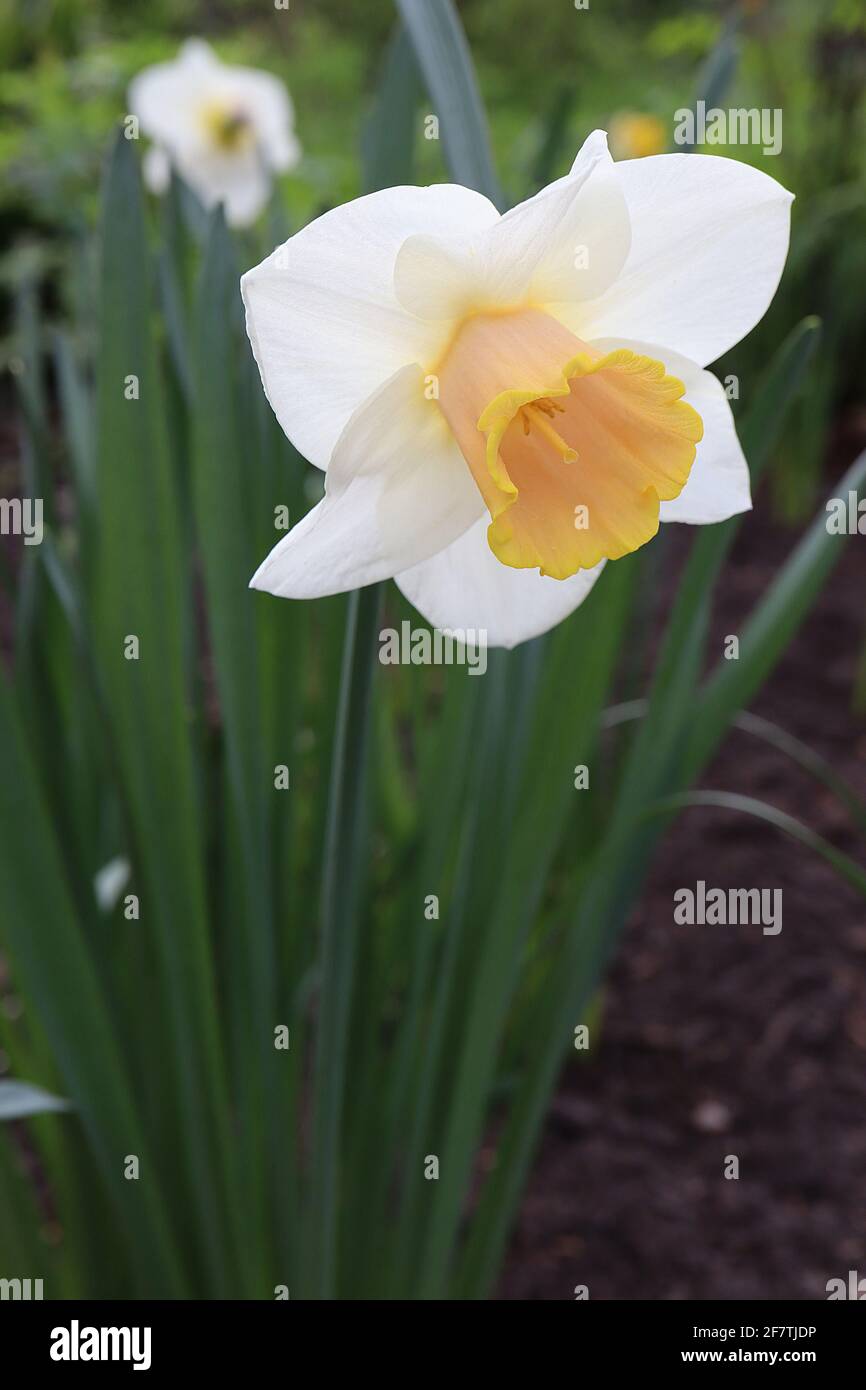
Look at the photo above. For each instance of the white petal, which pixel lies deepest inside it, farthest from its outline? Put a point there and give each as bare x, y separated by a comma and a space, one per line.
568, 243
283, 150
196, 55
167, 97
397, 490
571, 240
239, 181
266, 102
718, 485
465, 586
593, 149
110, 881
325, 325
156, 168
245, 193
709, 241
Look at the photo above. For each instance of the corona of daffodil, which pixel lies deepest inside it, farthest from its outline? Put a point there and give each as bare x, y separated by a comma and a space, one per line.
503, 403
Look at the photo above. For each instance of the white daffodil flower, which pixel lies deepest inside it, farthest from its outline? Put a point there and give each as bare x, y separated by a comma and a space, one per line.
226, 130
503, 403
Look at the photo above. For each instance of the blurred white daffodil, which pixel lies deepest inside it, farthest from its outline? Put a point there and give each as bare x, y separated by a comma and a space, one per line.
226, 130
499, 400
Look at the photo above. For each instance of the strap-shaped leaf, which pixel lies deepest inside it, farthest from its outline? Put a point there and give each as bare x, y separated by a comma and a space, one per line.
446, 63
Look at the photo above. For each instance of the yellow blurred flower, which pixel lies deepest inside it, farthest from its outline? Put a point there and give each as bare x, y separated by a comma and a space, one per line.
634, 134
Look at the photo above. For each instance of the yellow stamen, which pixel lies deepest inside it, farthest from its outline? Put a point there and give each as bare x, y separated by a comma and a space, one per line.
542, 424
549, 407
227, 126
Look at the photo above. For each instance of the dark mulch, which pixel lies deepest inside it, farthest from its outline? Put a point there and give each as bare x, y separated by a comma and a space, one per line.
718, 1040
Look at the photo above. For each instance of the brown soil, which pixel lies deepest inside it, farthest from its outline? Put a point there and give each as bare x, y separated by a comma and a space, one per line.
718, 1040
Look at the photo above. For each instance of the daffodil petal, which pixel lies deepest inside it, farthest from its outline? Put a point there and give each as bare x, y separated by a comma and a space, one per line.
569, 242
465, 586
397, 491
709, 240
267, 100
325, 324
156, 169
165, 97
240, 182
